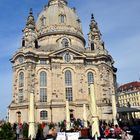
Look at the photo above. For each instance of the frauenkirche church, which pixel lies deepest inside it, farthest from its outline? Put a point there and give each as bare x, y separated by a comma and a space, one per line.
54, 63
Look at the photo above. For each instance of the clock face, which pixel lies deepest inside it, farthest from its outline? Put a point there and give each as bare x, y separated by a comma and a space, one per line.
21, 59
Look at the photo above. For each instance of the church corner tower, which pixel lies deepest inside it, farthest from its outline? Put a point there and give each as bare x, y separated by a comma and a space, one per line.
104, 71
94, 37
29, 33
54, 63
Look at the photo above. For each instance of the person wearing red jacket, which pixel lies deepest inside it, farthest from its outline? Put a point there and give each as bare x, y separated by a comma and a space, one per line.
107, 132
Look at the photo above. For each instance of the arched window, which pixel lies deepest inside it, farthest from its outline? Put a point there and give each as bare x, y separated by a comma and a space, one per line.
43, 79
20, 87
103, 44
21, 79
43, 115
92, 46
18, 117
36, 44
62, 18
43, 21
68, 78
90, 78
65, 43
43, 86
23, 43
68, 85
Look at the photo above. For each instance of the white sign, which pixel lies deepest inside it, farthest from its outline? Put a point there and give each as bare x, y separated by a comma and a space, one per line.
73, 136
61, 136
108, 139
112, 139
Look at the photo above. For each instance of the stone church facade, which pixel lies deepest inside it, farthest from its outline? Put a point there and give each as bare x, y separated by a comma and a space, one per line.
54, 63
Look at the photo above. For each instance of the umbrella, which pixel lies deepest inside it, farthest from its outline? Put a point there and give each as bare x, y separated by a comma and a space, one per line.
114, 109
84, 115
95, 120
67, 116
31, 132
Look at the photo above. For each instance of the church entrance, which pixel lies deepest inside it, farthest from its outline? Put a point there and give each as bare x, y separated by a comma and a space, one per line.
19, 117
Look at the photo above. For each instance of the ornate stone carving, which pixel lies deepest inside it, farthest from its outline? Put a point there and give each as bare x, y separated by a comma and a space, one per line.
79, 66
55, 66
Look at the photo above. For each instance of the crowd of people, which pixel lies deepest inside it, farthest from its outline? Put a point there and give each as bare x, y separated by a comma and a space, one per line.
109, 130
49, 130
46, 130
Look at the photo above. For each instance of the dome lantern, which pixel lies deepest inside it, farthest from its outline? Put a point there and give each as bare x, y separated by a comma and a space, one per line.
52, 2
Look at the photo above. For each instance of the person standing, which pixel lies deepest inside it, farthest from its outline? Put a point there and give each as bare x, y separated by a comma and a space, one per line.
117, 131
45, 130
126, 136
107, 132
17, 131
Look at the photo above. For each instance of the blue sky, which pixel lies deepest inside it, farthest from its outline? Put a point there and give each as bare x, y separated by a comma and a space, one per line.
119, 23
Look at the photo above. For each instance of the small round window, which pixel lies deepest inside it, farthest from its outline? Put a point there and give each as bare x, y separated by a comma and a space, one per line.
67, 57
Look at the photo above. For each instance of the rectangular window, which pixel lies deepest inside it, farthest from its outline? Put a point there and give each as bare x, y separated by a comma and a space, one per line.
43, 61
69, 94
88, 62
43, 94
20, 96
62, 18
43, 21
43, 115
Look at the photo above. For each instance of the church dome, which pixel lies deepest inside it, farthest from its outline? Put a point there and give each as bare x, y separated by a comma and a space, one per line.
57, 19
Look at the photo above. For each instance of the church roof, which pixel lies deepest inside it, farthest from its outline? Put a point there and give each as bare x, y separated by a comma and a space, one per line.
132, 86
